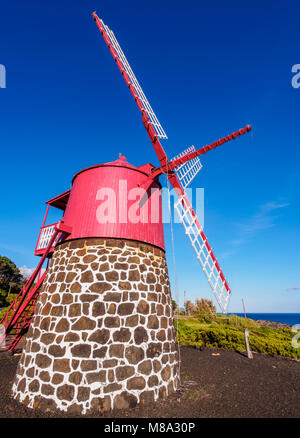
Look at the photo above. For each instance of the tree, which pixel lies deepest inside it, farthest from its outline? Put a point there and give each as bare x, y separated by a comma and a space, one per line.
3, 295
190, 308
206, 310
11, 280
9, 273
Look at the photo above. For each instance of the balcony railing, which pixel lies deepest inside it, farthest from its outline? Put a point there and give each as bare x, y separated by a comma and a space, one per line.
44, 238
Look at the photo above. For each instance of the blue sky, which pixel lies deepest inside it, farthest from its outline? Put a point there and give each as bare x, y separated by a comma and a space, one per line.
208, 70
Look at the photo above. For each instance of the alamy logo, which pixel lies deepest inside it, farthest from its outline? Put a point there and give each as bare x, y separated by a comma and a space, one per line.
296, 77
138, 205
2, 76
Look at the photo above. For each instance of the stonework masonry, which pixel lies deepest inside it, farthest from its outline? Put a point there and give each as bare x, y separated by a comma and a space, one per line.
102, 336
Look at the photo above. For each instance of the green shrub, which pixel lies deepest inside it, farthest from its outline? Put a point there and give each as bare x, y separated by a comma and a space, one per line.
10, 298
224, 335
205, 310
3, 295
237, 321
189, 336
3, 312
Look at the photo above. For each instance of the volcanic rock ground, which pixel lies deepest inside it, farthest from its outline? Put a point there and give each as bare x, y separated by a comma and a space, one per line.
229, 385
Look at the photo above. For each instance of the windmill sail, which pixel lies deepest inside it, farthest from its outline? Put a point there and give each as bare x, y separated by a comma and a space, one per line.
187, 171
203, 251
184, 171
134, 82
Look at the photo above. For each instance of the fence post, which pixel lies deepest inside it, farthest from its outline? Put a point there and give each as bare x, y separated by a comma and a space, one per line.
249, 352
2, 337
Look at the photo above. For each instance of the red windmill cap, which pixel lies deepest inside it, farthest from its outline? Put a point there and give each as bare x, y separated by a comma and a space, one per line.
120, 162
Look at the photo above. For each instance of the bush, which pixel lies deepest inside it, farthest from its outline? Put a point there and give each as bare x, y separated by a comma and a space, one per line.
205, 310
190, 308
231, 337
3, 312
189, 336
11, 298
237, 321
3, 295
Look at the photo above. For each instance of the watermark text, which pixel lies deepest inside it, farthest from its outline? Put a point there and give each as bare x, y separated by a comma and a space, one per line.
296, 77
137, 205
2, 76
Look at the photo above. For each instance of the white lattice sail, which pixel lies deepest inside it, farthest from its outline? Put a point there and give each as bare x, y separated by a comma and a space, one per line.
186, 172
203, 251
157, 126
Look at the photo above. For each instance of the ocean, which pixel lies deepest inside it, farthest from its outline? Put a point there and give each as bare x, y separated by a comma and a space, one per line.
286, 318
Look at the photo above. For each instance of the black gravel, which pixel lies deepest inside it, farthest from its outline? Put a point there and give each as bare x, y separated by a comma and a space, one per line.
229, 385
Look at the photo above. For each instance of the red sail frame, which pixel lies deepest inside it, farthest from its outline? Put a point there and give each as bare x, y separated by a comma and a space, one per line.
164, 162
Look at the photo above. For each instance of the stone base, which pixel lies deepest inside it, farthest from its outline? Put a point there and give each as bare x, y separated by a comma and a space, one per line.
103, 335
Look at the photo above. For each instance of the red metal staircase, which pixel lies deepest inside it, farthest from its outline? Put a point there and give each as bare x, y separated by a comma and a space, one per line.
18, 317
